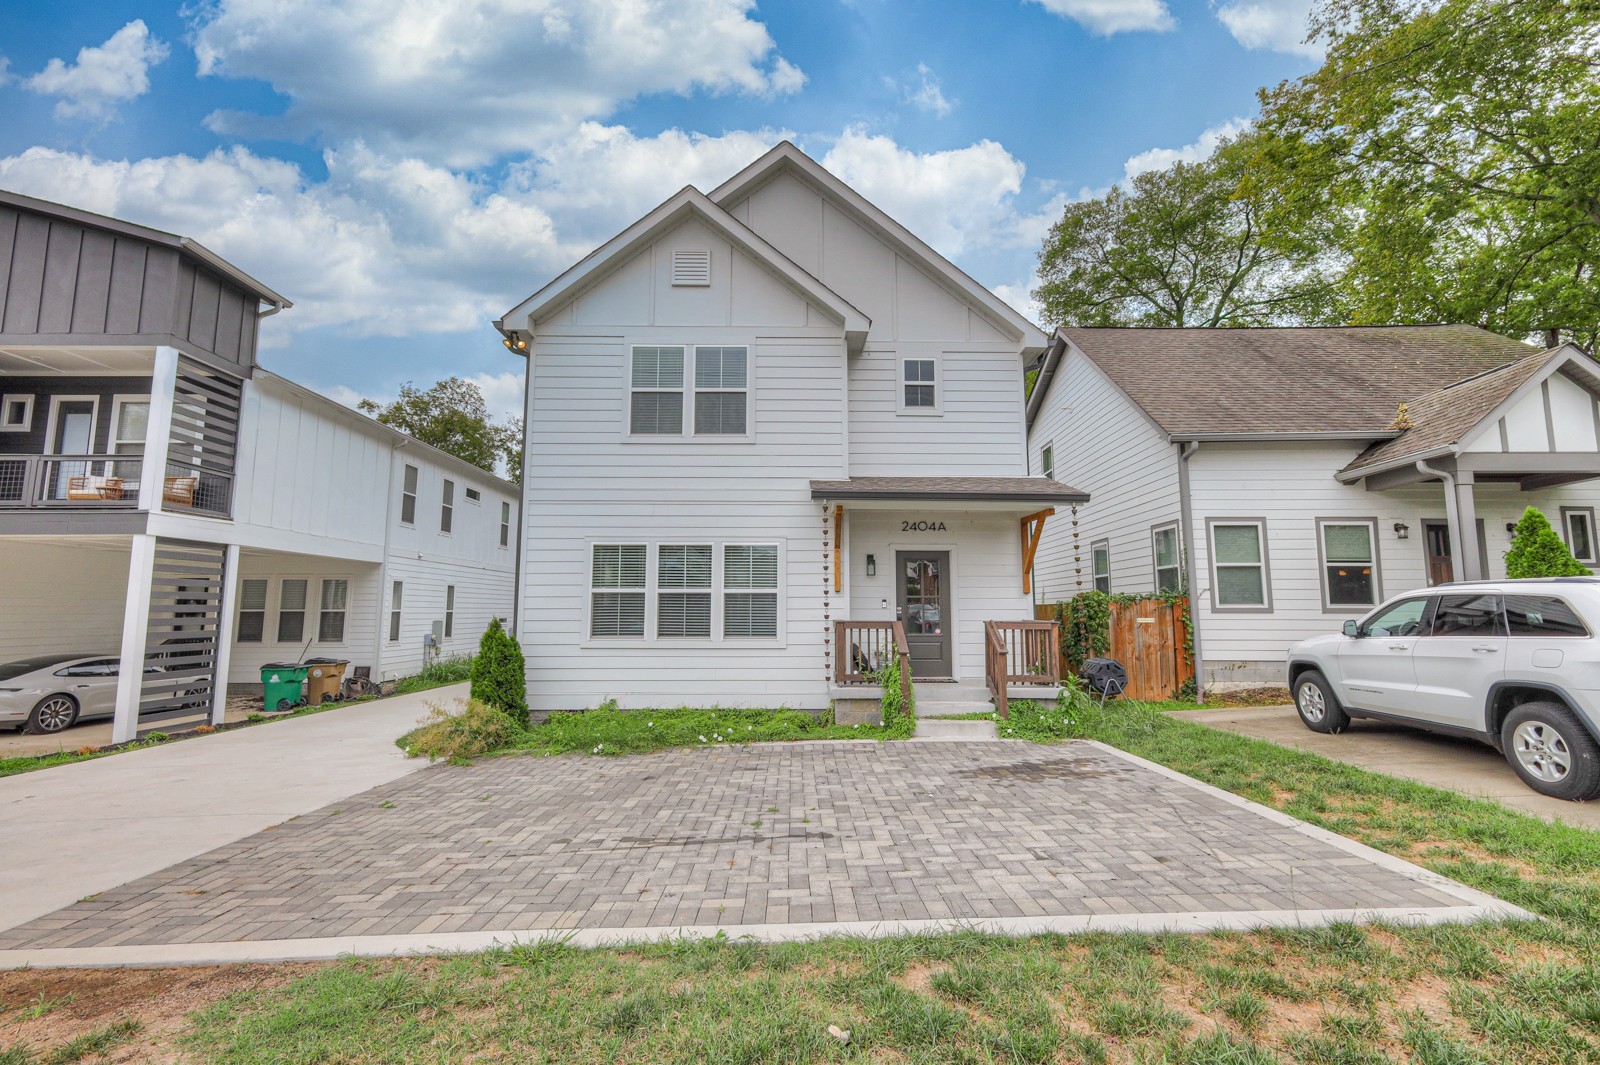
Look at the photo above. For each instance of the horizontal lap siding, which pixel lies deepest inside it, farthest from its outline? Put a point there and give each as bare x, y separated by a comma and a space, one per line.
1107, 447
244, 665
978, 432
482, 593
61, 597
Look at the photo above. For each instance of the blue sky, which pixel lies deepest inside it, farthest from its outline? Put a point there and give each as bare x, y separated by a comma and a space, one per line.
405, 170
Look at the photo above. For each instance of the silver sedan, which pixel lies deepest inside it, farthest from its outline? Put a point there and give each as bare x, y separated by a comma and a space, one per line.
50, 693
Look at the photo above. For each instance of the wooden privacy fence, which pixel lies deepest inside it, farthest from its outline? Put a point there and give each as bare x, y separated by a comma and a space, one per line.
1150, 638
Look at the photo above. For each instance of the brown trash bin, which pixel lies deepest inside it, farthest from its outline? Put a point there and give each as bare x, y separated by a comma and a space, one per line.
325, 679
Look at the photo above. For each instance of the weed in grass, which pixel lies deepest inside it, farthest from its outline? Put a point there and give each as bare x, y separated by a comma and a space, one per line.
913, 1020
1431, 1045
96, 1042
1124, 1018
1352, 1027
1219, 1048
1025, 1044
631, 1012
965, 982
1323, 1050
1245, 1009
43, 1005
18, 1054
533, 953
386, 804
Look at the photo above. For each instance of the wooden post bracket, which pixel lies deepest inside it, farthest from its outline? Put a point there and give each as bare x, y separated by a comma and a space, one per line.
1032, 527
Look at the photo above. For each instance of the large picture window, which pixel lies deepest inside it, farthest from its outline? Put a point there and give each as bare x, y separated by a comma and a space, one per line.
617, 590
1239, 565
683, 598
1167, 559
750, 590
656, 403
720, 396
1349, 563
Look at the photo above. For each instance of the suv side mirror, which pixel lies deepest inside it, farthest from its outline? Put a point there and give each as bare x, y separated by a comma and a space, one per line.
1352, 629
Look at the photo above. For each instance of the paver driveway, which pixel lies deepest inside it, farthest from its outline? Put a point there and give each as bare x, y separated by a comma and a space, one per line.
807, 836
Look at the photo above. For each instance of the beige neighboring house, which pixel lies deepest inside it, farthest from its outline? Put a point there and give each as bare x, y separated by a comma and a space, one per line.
1293, 478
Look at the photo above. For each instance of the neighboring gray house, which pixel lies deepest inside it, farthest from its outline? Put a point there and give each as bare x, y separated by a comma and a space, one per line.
754, 414
168, 503
1273, 472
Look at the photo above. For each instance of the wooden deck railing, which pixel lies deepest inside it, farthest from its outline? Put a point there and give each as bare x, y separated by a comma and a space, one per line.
1020, 652
862, 648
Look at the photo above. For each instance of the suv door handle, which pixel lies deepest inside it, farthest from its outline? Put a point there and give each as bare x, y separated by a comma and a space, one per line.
1486, 650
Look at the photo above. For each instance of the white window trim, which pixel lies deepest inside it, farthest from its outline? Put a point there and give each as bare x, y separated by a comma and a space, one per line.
504, 534
396, 619
1155, 554
344, 629
652, 582
694, 390
473, 494
1264, 607
404, 466
1047, 459
55, 412
447, 505
306, 611
1587, 514
265, 611
1323, 564
1094, 578
449, 631
652, 588
26, 398
900, 382
688, 390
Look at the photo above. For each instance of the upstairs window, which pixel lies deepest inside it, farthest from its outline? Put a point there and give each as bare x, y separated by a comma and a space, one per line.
474, 496
720, 397
1349, 564
617, 590
447, 506
252, 610
919, 385
1047, 460
505, 523
16, 414
1164, 550
408, 497
656, 403
1100, 555
750, 596
1578, 524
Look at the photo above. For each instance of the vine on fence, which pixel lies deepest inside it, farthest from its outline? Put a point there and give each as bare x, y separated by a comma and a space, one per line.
1086, 623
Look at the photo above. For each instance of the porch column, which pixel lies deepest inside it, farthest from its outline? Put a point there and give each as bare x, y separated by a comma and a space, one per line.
1464, 538
230, 593
158, 431
135, 626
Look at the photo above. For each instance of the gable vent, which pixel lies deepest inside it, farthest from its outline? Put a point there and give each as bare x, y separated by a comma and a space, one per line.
691, 268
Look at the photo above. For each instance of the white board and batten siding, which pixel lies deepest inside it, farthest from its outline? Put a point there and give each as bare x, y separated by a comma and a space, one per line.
62, 594
1107, 446
1561, 415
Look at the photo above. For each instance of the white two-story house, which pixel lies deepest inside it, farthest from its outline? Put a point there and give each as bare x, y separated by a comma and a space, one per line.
755, 415
184, 516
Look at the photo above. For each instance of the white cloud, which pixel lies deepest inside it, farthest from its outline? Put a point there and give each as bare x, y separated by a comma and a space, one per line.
103, 76
926, 95
1018, 296
1201, 148
1106, 17
1275, 25
468, 81
502, 393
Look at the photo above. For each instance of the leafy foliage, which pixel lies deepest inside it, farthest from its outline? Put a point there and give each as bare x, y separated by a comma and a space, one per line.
471, 732
1085, 627
899, 713
606, 730
1538, 551
447, 669
498, 677
453, 417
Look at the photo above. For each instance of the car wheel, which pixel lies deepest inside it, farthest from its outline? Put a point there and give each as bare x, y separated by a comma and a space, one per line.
55, 713
1314, 700
1551, 751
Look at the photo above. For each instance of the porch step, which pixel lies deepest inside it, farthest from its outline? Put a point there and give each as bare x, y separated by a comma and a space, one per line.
953, 731
941, 708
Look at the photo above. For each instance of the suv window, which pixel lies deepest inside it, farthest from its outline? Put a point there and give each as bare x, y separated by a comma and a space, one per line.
1405, 618
1542, 615
1479, 614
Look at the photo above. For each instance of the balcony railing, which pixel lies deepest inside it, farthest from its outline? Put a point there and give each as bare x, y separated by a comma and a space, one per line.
105, 481
862, 648
1020, 652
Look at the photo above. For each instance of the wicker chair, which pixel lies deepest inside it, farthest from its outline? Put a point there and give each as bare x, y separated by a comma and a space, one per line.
179, 491
94, 488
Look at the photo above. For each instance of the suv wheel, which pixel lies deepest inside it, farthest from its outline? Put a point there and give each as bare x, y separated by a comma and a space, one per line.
1319, 710
1551, 751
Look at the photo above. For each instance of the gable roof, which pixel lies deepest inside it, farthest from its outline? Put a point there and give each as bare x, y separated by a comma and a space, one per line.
687, 203
785, 157
1449, 415
1276, 381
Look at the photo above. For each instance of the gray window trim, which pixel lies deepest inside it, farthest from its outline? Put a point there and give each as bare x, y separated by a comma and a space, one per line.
1094, 578
1322, 567
1266, 566
1155, 567
1566, 533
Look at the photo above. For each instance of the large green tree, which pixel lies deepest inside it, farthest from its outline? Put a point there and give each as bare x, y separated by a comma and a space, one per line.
1183, 246
453, 417
1450, 151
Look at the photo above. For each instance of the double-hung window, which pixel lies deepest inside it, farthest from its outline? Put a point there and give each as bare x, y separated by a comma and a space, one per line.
683, 596
1047, 460
330, 620
617, 590
1166, 558
449, 610
720, 395
408, 497
396, 594
252, 609
447, 506
1578, 524
750, 591
919, 385
656, 403
505, 523
1239, 565
1349, 563
1100, 556
292, 609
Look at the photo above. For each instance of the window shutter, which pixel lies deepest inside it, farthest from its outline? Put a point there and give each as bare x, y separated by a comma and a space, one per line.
691, 268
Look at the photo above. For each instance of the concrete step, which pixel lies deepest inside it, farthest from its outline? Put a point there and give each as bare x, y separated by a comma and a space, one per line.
957, 731
931, 708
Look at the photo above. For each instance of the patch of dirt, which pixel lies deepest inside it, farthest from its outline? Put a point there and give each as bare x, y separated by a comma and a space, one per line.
1252, 697
918, 977
1458, 850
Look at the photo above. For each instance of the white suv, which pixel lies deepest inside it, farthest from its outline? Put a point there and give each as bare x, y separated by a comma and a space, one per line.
1515, 664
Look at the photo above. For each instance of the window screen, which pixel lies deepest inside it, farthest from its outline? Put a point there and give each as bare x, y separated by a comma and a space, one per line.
720, 399
1238, 573
1469, 615
617, 581
252, 610
330, 622
657, 403
1349, 565
292, 610
1542, 615
752, 612
919, 383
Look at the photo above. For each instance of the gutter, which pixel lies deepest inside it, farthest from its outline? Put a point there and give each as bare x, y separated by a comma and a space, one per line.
526, 353
1352, 476
1186, 516
1309, 437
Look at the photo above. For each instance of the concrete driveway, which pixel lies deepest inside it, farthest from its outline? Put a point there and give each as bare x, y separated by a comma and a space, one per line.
1441, 761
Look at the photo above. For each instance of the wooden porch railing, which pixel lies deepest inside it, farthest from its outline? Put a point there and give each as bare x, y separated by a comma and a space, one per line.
862, 648
1020, 652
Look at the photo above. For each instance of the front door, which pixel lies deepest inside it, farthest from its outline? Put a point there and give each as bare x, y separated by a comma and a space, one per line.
1436, 542
924, 609
72, 433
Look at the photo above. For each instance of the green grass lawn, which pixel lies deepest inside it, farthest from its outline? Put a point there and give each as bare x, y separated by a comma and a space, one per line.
1347, 995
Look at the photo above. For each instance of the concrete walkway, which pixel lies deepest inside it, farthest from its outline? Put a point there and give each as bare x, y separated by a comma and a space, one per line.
1428, 758
76, 830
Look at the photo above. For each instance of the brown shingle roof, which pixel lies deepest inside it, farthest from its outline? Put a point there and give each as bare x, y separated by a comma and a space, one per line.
968, 489
1443, 417
1297, 380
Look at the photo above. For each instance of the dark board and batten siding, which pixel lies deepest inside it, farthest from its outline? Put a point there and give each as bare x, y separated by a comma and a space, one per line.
60, 279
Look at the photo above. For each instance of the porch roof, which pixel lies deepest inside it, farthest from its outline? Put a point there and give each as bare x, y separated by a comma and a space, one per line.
1043, 490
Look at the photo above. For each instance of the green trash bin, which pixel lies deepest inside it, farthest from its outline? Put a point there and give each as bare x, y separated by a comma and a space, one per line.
280, 684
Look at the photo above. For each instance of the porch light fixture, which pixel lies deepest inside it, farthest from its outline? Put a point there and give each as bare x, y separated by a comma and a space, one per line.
872, 566
1402, 530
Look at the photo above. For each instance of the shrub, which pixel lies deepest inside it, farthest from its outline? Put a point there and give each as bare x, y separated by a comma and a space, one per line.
899, 713
498, 679
474, 730
1538, 551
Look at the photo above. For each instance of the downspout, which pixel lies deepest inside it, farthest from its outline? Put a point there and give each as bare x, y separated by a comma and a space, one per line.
1452, 515
385, 586
1186, 516
522, 479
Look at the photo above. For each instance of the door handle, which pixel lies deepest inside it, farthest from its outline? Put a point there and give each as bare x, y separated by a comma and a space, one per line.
1486, 650
1399, 647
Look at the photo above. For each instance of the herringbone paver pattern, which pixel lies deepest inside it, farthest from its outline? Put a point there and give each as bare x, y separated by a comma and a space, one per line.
774, 833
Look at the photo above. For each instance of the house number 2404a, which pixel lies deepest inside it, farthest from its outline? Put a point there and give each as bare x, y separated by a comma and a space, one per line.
922, 526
